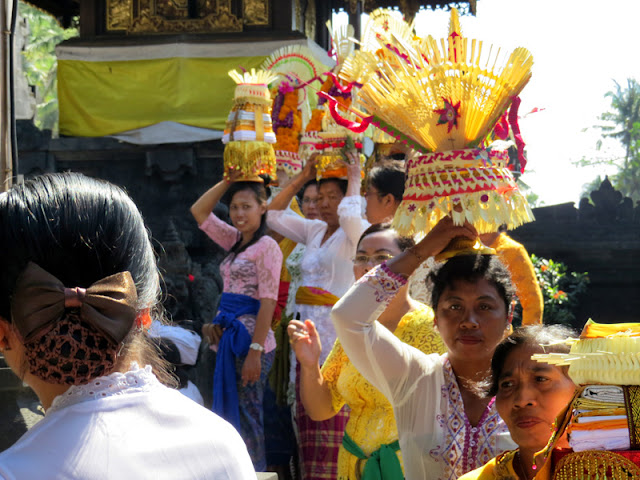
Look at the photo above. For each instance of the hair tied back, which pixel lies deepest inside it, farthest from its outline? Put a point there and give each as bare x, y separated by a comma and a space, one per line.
40, 300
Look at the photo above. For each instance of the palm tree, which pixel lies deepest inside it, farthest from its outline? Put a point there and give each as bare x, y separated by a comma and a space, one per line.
623, 124
626, 106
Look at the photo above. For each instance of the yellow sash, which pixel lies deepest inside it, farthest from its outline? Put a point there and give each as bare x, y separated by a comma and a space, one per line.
315, 296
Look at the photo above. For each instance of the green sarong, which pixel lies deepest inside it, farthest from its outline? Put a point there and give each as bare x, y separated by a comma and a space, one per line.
383, 464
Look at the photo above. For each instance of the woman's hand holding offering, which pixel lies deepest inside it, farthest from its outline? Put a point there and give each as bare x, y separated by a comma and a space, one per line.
353, 164
441, 235
231, 175
435, 242
309, 169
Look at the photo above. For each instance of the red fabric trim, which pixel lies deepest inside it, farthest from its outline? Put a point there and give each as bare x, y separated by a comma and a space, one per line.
346, 89
340, 120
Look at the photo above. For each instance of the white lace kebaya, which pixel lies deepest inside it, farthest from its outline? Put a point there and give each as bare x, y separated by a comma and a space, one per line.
325, 265
127, 425
436, 438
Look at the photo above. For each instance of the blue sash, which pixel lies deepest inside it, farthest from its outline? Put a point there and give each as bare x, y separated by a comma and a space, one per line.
234, 343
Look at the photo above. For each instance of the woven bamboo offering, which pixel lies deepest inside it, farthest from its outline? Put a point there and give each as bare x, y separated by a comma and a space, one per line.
248, 135
445, 97
604, 354
296, 67
323, 136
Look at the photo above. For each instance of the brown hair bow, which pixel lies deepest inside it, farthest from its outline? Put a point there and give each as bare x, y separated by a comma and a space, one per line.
40, 300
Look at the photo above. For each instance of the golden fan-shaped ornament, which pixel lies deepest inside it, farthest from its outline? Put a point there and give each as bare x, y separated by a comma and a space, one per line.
445, 96
411, 99
386, 24
342, 40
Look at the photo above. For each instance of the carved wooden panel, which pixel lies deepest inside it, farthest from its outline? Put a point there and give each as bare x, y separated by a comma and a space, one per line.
256, 12
181, 16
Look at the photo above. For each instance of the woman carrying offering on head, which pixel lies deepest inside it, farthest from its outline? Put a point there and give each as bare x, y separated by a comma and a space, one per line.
445, 426
529, 396
327, 273
371, 426
78, 287
241, 330
282, 376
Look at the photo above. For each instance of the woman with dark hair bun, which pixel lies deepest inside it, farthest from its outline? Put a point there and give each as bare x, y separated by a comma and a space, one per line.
445, 426
241, 331
78, 286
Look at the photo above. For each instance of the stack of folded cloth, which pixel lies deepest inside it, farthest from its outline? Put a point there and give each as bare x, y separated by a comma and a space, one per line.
600, 420
605, 363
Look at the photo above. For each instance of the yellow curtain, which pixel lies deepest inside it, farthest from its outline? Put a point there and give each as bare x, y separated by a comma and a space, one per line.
108, 97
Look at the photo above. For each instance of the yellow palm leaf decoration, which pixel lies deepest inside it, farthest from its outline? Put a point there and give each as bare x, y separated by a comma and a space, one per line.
443, 98
439, 76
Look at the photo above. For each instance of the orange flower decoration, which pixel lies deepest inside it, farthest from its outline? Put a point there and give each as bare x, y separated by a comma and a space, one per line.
315, 124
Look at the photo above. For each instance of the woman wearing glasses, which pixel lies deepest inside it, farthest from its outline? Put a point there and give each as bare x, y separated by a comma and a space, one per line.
371, 427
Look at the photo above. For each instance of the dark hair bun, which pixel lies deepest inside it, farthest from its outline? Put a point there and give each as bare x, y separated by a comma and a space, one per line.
267, 180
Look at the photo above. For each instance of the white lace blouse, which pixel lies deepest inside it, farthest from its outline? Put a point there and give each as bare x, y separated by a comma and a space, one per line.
328, 265
436, 438
127, 425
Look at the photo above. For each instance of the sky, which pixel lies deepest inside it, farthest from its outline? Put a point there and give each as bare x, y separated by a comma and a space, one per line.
579, 48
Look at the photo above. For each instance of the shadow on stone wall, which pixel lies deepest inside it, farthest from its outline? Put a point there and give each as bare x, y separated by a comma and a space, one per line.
601, 237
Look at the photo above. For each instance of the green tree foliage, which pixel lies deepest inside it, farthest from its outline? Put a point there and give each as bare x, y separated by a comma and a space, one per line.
39, 62
561, 290
622, 124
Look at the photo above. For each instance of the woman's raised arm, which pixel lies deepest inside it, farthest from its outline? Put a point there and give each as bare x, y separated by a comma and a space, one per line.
283, 199
206, 203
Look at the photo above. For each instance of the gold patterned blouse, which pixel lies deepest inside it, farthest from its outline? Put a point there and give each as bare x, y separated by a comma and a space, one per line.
372, 423
498, 468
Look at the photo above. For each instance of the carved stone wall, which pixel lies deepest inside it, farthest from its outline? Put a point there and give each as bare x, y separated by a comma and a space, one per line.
601, 237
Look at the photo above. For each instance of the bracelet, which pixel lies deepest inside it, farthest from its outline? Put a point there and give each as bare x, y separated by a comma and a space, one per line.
256, 346
430, 261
